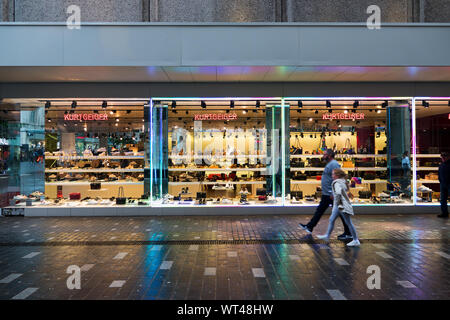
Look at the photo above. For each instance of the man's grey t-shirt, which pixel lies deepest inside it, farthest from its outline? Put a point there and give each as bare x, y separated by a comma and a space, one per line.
327, 178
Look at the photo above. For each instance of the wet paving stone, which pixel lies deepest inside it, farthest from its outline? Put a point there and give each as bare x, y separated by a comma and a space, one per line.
266, 258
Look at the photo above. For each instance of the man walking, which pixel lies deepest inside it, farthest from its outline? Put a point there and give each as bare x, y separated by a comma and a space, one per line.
444, 180
326, 199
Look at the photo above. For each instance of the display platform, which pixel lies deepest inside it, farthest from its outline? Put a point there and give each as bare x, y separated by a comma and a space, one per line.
188, 210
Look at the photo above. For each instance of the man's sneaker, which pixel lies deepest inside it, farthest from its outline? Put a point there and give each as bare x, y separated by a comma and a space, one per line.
323, 237
354, 243
305, 227
344, 237
443, 216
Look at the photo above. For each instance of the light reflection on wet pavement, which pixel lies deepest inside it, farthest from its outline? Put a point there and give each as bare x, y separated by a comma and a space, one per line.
253, 257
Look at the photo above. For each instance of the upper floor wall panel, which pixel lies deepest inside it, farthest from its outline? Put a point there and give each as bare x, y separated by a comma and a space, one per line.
204, 45
225, 10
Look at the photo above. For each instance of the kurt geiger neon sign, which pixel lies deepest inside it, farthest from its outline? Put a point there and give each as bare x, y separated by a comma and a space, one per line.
343, 116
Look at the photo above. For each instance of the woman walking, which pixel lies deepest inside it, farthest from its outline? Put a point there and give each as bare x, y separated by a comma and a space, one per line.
341, 206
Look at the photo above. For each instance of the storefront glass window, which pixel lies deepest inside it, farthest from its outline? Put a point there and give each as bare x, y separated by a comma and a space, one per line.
358, 132
217, 152
94, 151
432, 138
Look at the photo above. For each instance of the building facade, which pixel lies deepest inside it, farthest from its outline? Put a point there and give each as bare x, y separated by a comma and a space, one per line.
219, 107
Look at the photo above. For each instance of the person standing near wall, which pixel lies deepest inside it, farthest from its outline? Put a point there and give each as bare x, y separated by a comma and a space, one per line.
327, 198
444, 180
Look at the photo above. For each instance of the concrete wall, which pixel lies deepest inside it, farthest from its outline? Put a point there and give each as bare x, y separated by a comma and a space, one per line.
437, 11
215, 10
346, 10
91, 11
225, 10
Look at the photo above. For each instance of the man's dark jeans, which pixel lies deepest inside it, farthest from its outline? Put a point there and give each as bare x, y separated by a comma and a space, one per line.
325, 202
444, 199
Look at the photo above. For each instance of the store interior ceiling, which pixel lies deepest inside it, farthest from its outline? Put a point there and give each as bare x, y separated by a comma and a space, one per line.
130, 110
225, 74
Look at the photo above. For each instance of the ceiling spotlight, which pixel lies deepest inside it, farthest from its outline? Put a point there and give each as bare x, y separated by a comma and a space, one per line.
104, 105
328, 104
65, 112
356, 104
258, 103
425, 104
300, 104
174, 104
449, 103
95, 111
231, 104
385, 104
74, 104
316, 112
203, 105
299, 111
48, 105
330, 111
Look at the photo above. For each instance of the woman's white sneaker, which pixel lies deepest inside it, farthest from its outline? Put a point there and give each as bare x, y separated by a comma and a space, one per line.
323, 237
354, 243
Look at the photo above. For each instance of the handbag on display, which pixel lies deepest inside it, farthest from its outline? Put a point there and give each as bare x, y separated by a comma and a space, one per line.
96, 186
74, 196
348, 164
121, 197
296, 148
365, 194
297, 194
301, 177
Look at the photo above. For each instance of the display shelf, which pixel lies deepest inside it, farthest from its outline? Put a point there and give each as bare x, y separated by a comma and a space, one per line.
214, 183
427, 168
427, 181
428, 155
319, 181
83, 183
216, 156
91, 170
345, 169
214, 169
355, 156
304, 182
78, 158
